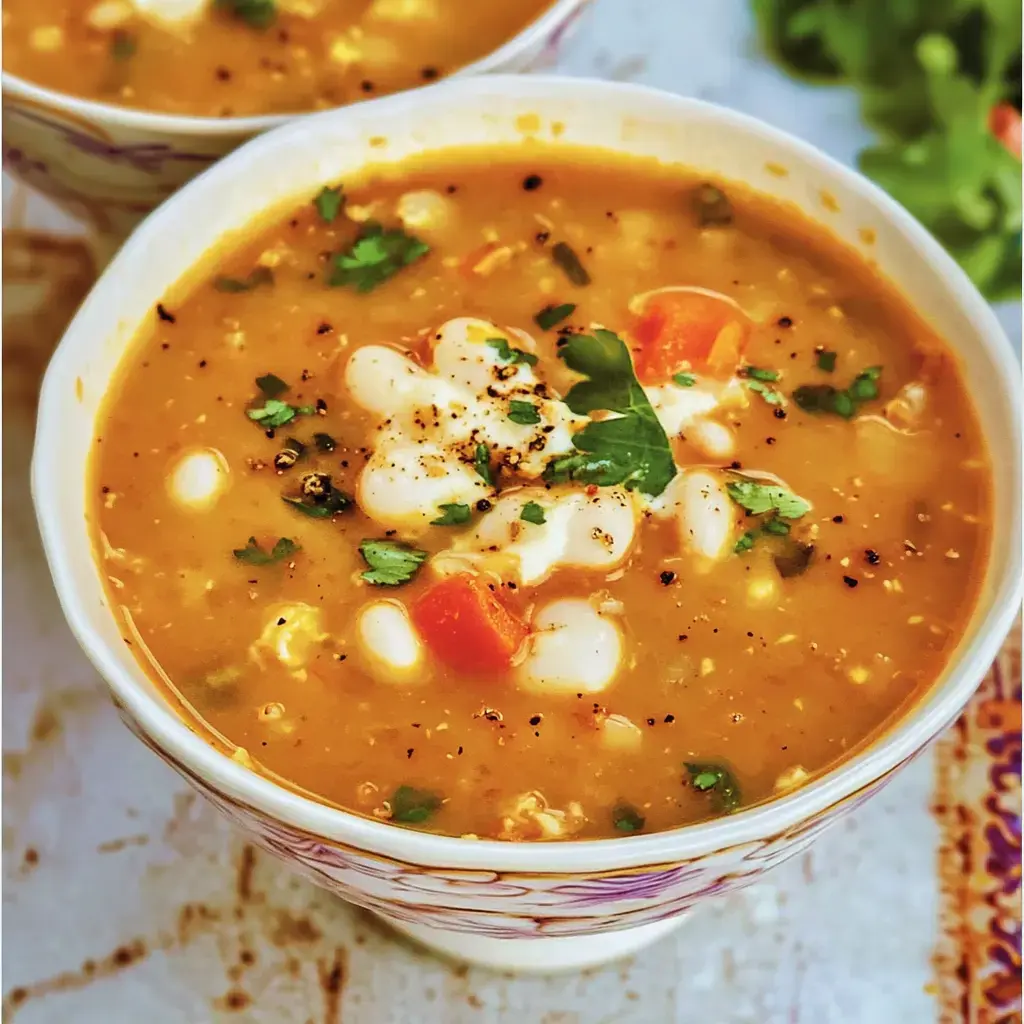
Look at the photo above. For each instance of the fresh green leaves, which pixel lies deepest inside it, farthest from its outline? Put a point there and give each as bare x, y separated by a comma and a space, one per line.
253, 554
375, 257
507, 354
825, 360
626, 818
274, 412
930, 73
482, 464
758, 373
716, 780
255, 277
551, 315
565, 257
271, 385
770, 395
410, 806
255, 13
523, 413
319, 498
452, 514
824, 398
533, 513
390, 562
324, 442
328, 203
684, 380
630, 447
759, 498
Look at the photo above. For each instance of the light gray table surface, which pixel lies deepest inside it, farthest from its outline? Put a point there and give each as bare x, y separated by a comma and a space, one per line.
128, 901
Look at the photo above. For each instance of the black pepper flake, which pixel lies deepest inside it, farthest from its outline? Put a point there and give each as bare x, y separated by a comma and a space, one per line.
321, 406
428, 74
735, 464
850, 581
532, 182
163, 314
769, 440
686, 636
667, 576
542, 237
669, 719
872, 557
202, 363
281, 622
779, 414
535, 720
483, 505
837, 519
409, 751
785, 321
451, 190
324, 328
366, 85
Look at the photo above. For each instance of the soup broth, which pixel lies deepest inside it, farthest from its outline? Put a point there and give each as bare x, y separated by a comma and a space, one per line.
239, 58
540, 495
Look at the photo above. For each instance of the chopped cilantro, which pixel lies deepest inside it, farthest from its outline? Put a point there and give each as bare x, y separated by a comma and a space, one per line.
255, 13
770, 395
507, 354
271, 385
375, 257
684, 380
551, 315
826, 360
390, 562
253, 554
717, 780
777, 527
319, 499
759, 498
533, 513
627, 818
328, 203
827, 399
564, 255
746, 542
324, 442
255, 277
413, 806
757, 373
275, 413
454, 514
631, 448
523, 413
482, 464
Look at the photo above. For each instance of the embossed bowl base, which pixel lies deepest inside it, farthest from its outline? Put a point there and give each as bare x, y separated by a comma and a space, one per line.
537, 955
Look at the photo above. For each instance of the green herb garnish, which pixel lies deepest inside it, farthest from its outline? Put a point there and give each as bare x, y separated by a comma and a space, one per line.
375, 257
533, 513
482, 464
328, 203
717, 780
551, 315
824, 398
523, 413
324, 442
746, 542
684, 380
319, 499
413, 806
757, 373
256, 277
770, 395
758, 499
271, 385
255, 13
826, 360
390, 562
275, 413
253, 554
453, 514
627, 818
631, 448
562, 253
507, 354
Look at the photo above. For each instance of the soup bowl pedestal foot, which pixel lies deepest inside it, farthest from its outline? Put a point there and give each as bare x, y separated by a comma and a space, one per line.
536, 955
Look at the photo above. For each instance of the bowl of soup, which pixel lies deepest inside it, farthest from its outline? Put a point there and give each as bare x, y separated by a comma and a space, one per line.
533, 506
111, 105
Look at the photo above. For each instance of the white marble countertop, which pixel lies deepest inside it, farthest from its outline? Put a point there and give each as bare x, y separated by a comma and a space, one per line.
127, 901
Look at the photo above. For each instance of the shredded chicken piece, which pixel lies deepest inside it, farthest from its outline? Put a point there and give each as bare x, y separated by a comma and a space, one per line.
531, 818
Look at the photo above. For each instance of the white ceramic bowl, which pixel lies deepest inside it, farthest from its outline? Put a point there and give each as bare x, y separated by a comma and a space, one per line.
111, 165
514, 904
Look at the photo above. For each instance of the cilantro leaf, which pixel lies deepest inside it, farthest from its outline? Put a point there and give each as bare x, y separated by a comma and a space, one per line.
523, 413
271, 385
255, 13
319, 499
390, 562
482, 464
770, 395
565, 256
533, 513
253, 554
757, 373
684, 380
255, 277
626, 818
716, 779
507, 354
413, 806
826, 360
827, 399
551, 315
454, 514
375, 257
759, 498
324, 442
275, 413
630, 448
328, 203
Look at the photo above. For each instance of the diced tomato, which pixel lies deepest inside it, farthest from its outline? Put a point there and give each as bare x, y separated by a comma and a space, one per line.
687, 330
466, 626
1005, 124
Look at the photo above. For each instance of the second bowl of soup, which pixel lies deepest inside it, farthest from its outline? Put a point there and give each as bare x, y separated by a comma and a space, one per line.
532, 532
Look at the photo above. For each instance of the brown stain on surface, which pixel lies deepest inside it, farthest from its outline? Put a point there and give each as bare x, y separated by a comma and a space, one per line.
332, 984
116, 845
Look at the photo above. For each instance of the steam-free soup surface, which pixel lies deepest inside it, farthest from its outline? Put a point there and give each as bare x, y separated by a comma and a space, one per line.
535, 500
245, 57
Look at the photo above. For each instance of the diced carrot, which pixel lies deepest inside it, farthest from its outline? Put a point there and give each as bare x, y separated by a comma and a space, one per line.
685, 330
466, 626
1005, 124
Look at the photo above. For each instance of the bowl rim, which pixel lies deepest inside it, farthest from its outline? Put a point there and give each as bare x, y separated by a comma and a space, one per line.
168, 730
16, 87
